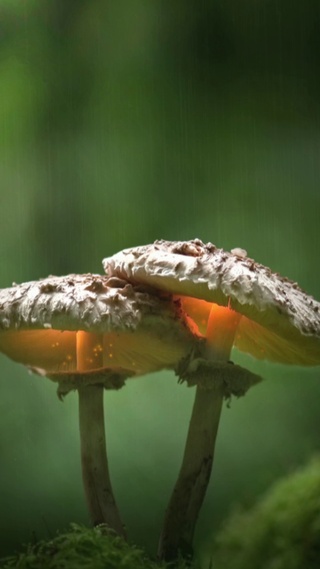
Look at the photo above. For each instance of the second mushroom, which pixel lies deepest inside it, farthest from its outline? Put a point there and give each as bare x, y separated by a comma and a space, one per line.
228, 300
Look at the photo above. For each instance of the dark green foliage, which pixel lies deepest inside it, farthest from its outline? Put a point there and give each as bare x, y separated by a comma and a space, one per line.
83, 548
281, 532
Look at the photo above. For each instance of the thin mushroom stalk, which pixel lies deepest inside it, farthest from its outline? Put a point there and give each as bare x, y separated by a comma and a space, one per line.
191, 486
95, 470
194, 476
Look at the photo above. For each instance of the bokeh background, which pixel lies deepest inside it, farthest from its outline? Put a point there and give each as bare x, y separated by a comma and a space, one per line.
127, 121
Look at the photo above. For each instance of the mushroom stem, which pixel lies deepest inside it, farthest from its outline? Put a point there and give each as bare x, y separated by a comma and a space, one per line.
190, 489
95, 472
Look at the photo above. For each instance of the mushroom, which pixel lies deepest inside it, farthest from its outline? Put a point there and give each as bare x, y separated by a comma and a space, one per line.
87, 333
233, 301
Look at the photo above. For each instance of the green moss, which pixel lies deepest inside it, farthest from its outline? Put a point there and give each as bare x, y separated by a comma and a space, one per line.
83, 548
281, 532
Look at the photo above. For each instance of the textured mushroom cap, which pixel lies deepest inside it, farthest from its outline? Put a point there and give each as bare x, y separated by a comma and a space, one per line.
129, 331
280, 322
94, 303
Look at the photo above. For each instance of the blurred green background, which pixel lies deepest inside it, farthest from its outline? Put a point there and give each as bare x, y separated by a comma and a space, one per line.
126, 121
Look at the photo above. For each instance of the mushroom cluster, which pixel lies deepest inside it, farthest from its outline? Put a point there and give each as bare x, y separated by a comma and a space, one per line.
173, 305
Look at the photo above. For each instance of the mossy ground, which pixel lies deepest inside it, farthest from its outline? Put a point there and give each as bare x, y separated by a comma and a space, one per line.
84, 548
282, 531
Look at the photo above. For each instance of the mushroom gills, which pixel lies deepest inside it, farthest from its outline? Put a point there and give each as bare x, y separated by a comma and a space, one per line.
47, 350
55, 351
253, 338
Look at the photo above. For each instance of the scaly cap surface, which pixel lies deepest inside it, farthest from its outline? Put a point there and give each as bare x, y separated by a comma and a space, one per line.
280, 322
130, 332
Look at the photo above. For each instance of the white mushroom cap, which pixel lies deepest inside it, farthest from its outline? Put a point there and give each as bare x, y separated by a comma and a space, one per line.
130, 332
280, 322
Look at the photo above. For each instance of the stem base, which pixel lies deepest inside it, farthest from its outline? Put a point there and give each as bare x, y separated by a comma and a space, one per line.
95, 471
189, 491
